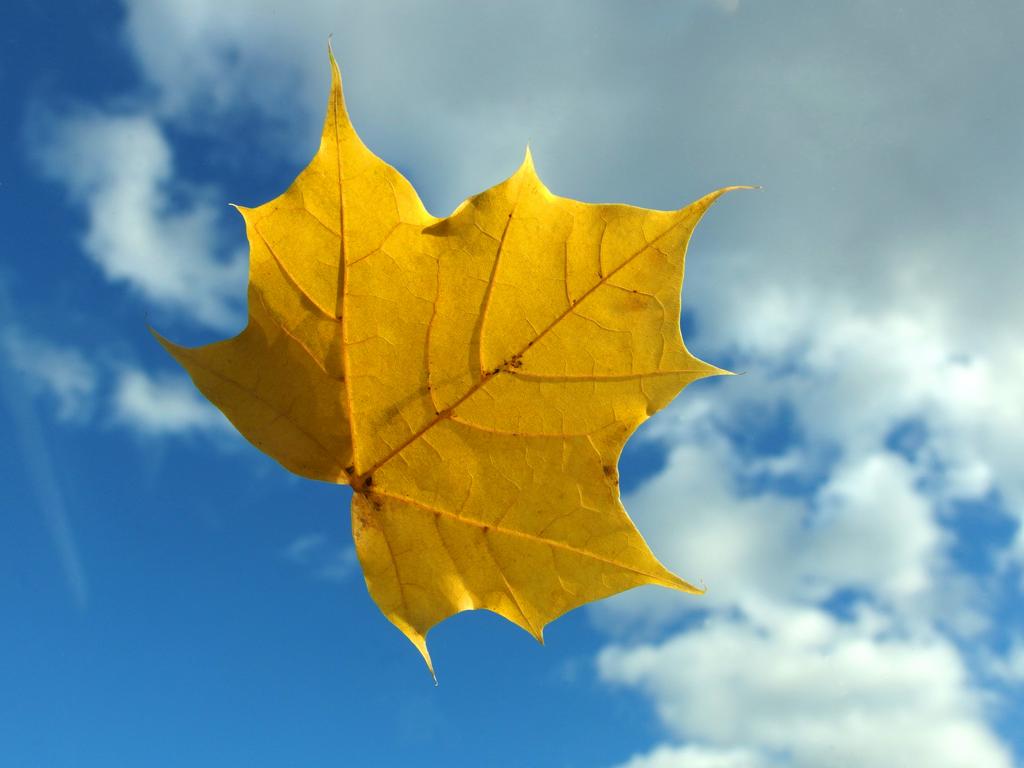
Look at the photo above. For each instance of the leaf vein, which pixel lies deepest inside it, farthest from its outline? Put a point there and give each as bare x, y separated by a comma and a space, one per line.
291, 278
535, 539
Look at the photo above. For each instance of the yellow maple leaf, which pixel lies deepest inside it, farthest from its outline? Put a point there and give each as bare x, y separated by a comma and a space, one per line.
473, 378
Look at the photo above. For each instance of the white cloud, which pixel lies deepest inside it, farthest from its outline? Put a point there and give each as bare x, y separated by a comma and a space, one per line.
759, 670
868, 528
814, 692
302, 548
63, 373
729, 6
852, 377
695, 756
162, 406
152, 406
1008, 666
339, 566
145, 228
874, 530
205, 57
320, 558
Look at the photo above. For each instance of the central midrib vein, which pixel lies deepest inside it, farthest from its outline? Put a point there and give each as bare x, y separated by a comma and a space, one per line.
343, 280
358, 481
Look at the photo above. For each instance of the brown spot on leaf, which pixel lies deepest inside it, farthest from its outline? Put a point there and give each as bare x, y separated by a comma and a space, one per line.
637, 301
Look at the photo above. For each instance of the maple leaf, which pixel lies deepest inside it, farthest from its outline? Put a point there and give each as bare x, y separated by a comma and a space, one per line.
473, 378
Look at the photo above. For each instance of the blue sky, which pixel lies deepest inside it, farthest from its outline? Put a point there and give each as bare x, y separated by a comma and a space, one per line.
853, 502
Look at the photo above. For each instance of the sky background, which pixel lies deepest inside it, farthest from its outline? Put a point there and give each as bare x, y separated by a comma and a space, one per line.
853, 502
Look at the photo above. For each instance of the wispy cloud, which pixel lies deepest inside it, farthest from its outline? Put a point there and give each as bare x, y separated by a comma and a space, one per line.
62, 373
162, 405
322, 559
150, 405
304, 547
38, 466
119, 168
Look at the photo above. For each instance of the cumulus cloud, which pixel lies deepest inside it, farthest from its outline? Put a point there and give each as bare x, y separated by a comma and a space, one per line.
812, 691
852, 380
867, 529
62, 373
871, 513
159, 406
145, 228
867, 535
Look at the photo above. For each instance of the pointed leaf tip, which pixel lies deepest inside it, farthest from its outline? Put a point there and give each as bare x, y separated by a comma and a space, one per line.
529, 170
335, 69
